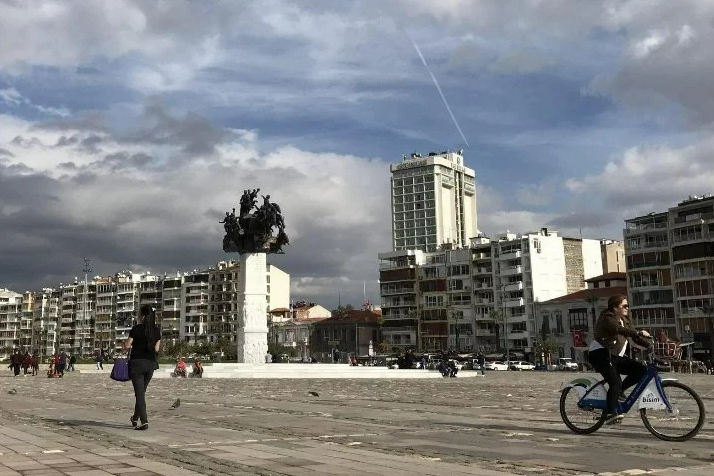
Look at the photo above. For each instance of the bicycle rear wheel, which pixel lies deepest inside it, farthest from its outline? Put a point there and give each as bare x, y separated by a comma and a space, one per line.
683, 422
580, 420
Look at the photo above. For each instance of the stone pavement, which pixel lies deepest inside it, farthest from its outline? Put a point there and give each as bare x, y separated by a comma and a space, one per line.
505, 423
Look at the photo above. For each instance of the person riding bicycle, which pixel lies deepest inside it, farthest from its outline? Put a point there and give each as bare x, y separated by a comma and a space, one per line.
607, 352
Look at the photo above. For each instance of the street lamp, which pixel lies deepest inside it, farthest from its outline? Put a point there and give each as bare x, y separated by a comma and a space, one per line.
690, 342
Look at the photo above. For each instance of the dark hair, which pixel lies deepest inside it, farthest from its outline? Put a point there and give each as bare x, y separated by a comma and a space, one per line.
151, 329
615, 301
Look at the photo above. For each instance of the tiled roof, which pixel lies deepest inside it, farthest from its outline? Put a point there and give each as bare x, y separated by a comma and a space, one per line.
354, 316
278, 310
607, 276
583, 294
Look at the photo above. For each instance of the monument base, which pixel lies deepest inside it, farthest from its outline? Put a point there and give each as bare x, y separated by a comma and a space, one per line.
252, 338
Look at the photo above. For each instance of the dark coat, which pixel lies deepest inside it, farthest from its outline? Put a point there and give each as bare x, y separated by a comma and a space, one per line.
611, 334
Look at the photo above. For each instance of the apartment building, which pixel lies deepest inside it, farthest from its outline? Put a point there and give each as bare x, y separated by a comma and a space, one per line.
433, 201
649, 272
480, 297
46, 306
10, 316
613, 256
399, 293
98, 313
691, 231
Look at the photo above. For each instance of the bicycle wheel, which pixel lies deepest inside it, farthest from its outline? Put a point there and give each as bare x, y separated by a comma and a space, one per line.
681, 424
580, 420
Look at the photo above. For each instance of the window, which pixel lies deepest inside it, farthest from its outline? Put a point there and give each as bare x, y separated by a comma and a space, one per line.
558, 315
578, 319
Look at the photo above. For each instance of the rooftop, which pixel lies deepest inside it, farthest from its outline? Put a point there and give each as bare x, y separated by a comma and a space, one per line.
584, 294
614, 276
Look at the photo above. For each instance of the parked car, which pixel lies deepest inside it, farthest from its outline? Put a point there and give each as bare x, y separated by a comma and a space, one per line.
566, 363
498, 365
521, 365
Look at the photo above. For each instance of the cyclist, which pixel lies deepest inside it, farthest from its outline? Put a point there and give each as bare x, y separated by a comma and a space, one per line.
607, 352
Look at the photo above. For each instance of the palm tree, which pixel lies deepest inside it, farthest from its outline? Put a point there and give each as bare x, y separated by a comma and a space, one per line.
498, 317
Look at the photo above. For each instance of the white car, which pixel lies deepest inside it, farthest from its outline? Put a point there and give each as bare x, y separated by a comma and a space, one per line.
522, 365
566, 363
495, 366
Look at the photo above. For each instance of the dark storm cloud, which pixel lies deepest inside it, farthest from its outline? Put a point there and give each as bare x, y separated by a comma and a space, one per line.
194, 134
83, 121
590, 219
6, 153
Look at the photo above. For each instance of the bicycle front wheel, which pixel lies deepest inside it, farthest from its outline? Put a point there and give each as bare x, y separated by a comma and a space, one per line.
683, 422
580, 420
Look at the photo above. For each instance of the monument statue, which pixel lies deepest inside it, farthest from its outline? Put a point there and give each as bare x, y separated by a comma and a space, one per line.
253, 233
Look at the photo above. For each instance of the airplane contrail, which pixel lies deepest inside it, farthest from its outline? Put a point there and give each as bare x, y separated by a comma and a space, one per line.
436, 83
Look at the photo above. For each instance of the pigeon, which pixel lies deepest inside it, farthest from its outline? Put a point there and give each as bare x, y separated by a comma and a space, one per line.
314, 394
12, 392
176, 404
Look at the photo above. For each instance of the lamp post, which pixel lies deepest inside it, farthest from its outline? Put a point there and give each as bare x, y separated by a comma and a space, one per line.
502, 288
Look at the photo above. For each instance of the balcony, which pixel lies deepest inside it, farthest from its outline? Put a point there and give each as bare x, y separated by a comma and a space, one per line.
485, 333
512, 255
515, 302
643, 227
483, 301
517, 286
512, 271
518, 335
694, 217
482, 271
402, 290
480, 256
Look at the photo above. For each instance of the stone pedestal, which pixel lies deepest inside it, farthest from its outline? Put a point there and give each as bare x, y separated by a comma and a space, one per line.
252, 335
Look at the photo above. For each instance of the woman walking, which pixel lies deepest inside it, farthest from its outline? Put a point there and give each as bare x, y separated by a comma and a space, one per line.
144, 341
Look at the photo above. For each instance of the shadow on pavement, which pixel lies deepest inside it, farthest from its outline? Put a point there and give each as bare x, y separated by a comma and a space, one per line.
69, 422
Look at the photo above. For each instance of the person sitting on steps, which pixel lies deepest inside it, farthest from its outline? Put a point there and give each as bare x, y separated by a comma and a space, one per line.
197, 369
180, 370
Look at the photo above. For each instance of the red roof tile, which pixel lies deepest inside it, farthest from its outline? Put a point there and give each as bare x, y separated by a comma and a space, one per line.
583, 294
608, 276
278, 310
354, 316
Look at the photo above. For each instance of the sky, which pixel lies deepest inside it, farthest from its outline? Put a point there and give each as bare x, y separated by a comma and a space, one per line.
128, 128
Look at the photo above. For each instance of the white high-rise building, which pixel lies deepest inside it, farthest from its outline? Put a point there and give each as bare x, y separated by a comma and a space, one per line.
433, 202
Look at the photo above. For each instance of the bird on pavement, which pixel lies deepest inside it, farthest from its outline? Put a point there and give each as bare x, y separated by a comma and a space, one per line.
314, 394
12, 392
176, 404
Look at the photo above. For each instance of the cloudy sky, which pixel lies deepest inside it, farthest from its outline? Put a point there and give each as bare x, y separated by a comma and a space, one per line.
127, 128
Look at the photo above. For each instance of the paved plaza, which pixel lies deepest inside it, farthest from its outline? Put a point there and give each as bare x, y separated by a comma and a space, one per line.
500, 424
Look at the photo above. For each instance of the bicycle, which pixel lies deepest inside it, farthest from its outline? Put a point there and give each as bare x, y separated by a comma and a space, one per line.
655, 405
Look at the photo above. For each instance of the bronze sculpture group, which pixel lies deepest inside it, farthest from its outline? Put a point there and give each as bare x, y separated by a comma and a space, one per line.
251, 231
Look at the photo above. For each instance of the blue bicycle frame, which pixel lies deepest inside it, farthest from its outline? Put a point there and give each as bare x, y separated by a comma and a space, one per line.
624, 407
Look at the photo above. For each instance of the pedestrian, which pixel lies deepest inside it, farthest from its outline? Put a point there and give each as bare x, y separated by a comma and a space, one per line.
72, 361
482, 363
99, 359
61, 364
144, 341
16, 362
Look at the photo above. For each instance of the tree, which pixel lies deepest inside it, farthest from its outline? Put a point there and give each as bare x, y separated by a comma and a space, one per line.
498, 317
385, 347
203, 349
548, 347
343, 309
177, 349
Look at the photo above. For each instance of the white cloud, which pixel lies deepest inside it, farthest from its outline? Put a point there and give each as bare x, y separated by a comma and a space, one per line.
12, 97
651, 178
157, 209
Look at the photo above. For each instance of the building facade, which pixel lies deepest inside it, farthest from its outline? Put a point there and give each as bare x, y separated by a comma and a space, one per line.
569, 320
482, 298
97, 314
433, 201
